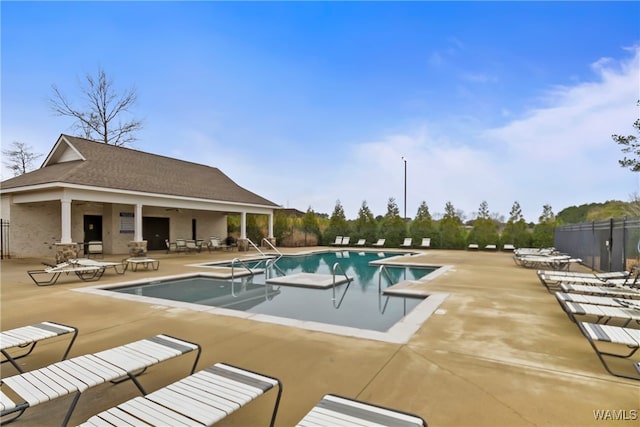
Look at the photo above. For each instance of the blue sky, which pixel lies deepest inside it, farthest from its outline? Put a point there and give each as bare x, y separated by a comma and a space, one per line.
307, 103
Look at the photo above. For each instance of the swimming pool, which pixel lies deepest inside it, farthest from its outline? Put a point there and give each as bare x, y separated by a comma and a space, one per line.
354, 308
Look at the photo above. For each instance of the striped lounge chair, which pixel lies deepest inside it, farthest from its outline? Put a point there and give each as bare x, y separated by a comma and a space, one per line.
334, 410
20, 342
600, 336
201, 399
75, 375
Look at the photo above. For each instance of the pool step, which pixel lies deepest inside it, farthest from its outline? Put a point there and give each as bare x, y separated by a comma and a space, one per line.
308, 280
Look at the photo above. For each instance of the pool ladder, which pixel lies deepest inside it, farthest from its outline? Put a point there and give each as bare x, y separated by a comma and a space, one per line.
334, 270
233, 268
383, 271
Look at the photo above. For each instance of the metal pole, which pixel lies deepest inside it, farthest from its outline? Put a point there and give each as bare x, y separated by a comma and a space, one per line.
405, 189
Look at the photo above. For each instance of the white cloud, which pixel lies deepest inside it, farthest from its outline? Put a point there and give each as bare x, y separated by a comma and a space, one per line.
560, 154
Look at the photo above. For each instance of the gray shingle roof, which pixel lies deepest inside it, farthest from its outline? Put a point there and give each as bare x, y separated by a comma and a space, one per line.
112, 167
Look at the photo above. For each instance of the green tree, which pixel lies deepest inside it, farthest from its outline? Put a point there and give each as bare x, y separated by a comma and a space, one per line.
451, 233
630, 145
423, 226
515, 231
484, 229
392, 225
254, 231
365, 225
543, 231
310, 224
338, 225
281, 226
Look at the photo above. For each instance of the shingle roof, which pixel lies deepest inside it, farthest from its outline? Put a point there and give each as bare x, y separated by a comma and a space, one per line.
112, 167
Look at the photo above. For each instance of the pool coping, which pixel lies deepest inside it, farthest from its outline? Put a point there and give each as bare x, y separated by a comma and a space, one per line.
400, 333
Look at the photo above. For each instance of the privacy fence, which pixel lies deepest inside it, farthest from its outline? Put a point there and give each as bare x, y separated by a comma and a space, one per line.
612, 245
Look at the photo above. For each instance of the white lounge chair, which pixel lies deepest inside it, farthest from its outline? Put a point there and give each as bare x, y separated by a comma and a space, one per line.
379, 243
603, 291
490, 247
118, 267
345, 241
508, 247
75, 375
426, 242
85, 273
473, 246
361, 242
337, 242
203, 399
334, 410
602, 313
407, 242
25, 338
600, 336
598, 300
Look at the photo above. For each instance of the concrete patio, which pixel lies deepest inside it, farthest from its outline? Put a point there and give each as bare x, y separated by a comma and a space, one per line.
498, 352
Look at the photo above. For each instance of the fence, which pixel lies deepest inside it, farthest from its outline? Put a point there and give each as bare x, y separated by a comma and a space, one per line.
612, 245
4, 239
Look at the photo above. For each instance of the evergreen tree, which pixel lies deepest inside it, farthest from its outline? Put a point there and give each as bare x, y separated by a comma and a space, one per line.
451, 233
484, 229
423, 226
630, 145
365, 225
392, 226
543, 230
338, 225
515, 231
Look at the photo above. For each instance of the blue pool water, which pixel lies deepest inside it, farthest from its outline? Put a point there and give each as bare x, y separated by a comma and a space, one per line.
356, 304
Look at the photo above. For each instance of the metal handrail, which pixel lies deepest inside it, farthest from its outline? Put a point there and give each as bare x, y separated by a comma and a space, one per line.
233, 268
265, 240
333, 299
272, 262
257, 248
383, 269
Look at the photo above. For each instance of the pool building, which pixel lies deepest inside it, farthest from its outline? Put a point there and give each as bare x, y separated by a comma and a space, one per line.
127, 199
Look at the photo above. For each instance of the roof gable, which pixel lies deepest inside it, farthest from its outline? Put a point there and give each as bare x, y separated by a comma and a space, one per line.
79, 161
62, 151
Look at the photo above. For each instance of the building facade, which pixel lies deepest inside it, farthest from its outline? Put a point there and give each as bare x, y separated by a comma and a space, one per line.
86, 191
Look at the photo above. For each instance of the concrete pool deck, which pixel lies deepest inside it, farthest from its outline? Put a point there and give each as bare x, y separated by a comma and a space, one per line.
498, 351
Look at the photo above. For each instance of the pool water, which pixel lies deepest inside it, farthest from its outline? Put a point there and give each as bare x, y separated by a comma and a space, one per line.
356, 304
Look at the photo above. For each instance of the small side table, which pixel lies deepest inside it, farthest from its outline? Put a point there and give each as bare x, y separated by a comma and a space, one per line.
148, 263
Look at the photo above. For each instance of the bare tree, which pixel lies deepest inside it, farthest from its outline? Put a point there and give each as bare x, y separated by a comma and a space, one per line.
20, 158
100, 118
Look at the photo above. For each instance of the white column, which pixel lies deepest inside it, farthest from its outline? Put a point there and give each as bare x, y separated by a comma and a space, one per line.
65, 223
243, 225
271, 225
137, 235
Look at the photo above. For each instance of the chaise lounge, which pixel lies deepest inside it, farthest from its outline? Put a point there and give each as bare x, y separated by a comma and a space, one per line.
52, 273
334, 410
600, 336
75, 375
408, 243
26, 337
379, 243
202, 399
